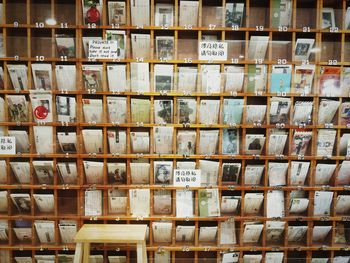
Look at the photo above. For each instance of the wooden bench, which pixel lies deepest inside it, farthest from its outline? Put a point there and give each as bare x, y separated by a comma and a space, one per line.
98, 233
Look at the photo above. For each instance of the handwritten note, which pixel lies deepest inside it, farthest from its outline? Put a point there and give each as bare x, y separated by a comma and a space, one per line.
103, 49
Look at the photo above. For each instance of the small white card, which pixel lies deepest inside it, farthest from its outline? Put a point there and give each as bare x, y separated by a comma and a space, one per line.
7, 145
187, 178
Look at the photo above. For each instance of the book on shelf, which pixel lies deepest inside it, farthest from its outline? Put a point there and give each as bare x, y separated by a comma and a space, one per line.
117, 109
253, 203
258, 47
22, 140
327, 110
162, 202
17, 108
187, 79
275, 204
164, 15
279, 110
93, 172
302, 112
325, 142
43, 138
93, 110
93, 140
116, 173
44, 202
139, 202
86, 44
92, 78
253, 174
281, 77
277, 173
41, 104
117, 141
117, 201
303, 48
21, 171
230, 141
163, 172
92, 11
116, 13
163, 78
207, 234
208, 201
228, 233
163, 111
139, 74
209, 111
117, 80
67, 172
68, 230
230, 172
42, 76
19, 76
139, 142
66, 109
208, 142
299, 172
257, 77
234, 14
322, 203
141, 45
184, 234
65, 45
120, 38
66, 76
300, 142
186, 110
184, 203
252, 232
234, 78
140, 13
211, 78
93, 202
45, 230
329, 84
188, 13
328, 18
209, 172
163, 139
140, 173
254, 143
281, 13
162, 232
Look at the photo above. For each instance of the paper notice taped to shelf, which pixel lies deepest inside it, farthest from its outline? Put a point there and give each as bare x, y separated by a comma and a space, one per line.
7, 145
212, 50
187, 178
103, 49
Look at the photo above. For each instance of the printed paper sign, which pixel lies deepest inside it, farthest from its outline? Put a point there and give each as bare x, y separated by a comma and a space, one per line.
212, 50
187, 178
7, 145
103, 49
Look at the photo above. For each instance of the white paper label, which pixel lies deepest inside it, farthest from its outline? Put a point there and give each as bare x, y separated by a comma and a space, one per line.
7, 145
212, 50
103, 49
187, 178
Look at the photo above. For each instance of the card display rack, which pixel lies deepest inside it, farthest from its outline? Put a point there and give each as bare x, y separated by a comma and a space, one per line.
29, 37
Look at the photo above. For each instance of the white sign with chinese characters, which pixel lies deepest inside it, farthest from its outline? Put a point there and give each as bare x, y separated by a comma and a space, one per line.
103, 49
187, 178
212, 50
7, 145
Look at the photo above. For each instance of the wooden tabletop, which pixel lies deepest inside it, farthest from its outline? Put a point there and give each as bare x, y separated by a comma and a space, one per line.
109, 233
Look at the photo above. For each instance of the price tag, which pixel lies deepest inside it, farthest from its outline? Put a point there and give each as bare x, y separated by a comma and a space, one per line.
7, 145
184, 177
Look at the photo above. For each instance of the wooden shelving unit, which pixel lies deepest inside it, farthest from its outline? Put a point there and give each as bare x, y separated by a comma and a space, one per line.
28, 39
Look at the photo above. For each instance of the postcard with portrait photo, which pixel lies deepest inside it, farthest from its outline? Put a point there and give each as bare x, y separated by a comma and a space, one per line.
17, 108
303, 48
116, 173
230, 172
42, 75
328, 18
186, 110
44, 171
165, 47
163, 172
92, 77
163, 111
22, 202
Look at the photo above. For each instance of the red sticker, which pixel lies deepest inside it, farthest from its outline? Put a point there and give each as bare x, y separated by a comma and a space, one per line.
41, 112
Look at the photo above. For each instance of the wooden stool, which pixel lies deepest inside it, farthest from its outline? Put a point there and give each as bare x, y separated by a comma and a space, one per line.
98, 233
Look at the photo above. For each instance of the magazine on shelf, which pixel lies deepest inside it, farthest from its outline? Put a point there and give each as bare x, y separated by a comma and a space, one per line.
252, 232
19, 76
93, 202
93, 172
163, 78
43, 138
117, 201
140, 110
140, 13
120, 38
327, 110
344, 83
258, 47
22, 140
165, 47
117, 109
116, 13
23, 231
186, 110
342, 205
92, 11
67, 171
141, 45
347, 19
253, 174
42, 76
116, 141
282, 13
140, 81
209, 112
279, 109
163, 139
17, 108
93, 110
139, 142
187, 79
255, 113
92, 78
65, 45
41, 106
302, 112
234, 14
66, 109
298, 203
230, 257
117, 80
325, 142
188, 13
162, 232
21, 171
303, 78
344, 146
330, 82
299, 172
44, 202
281, 78
93, 140
303, 48
257, 76
163, 111
230, 141
162, 256
232, 111
209, 172
139, 202
3, 172
328, 18
164, 15
116, 173
66, 76
162, 200
320, 233
140, 173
